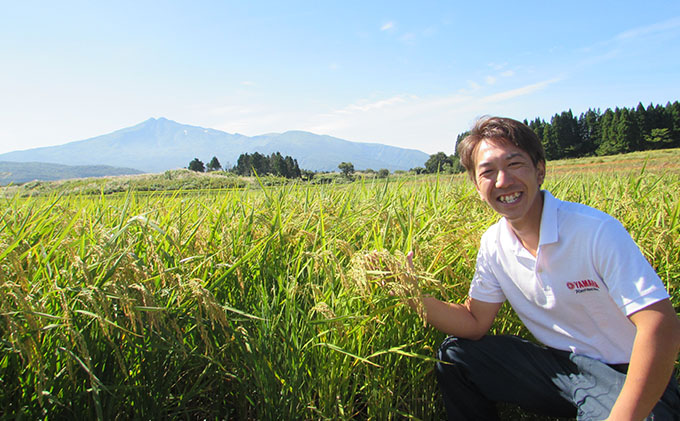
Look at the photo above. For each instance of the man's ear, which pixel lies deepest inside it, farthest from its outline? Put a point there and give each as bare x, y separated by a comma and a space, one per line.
479, 192
540, 167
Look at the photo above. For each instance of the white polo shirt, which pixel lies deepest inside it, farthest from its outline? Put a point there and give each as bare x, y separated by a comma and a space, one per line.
587, 277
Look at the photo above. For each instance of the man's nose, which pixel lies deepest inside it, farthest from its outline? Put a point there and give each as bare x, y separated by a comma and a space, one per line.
503, 179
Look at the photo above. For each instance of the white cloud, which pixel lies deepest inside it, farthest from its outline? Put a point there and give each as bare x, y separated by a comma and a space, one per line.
373, 105
490, 80
430, 124
386, 26
522, 91
626, 37
665, 26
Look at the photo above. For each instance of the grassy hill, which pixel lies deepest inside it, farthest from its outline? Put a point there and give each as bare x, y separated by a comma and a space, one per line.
651, 161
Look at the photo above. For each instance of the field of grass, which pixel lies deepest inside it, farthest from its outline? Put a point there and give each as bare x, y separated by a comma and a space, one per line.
256, 303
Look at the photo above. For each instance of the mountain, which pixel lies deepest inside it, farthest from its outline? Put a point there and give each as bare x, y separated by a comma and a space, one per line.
160, 144
22, 172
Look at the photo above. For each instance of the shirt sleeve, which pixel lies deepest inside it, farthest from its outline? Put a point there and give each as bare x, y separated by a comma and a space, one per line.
632, 282
485, 286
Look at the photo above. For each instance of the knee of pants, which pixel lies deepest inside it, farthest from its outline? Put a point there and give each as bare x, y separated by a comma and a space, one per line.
450, 353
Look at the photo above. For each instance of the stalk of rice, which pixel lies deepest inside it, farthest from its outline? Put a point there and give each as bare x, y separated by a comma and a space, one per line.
391, 272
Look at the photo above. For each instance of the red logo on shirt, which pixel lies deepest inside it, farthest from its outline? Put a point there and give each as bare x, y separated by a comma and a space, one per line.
583, 286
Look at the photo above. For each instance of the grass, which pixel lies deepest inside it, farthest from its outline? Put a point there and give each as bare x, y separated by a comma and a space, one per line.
254, 303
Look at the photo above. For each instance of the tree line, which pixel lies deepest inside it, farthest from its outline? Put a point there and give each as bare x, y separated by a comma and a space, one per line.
257, 163
593, 133
596, 133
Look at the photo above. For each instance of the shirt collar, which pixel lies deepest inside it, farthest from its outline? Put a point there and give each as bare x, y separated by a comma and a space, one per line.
549, 232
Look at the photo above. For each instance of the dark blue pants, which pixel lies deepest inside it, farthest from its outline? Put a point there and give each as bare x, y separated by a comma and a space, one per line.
474, 375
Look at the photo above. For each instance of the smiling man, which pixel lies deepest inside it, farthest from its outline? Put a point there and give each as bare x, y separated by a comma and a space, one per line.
608, 334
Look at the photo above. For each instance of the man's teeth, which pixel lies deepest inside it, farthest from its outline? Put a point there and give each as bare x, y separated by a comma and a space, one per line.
509, 198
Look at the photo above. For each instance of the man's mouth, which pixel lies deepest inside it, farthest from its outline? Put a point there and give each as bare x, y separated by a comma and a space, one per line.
510, 198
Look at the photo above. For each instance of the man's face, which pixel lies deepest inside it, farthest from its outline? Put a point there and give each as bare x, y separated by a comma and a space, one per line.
508, 180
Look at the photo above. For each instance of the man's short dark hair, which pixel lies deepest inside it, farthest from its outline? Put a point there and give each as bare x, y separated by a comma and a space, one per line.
499, 129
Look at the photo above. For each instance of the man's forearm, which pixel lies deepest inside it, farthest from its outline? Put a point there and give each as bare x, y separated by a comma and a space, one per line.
470, 320
651, 363
649, 371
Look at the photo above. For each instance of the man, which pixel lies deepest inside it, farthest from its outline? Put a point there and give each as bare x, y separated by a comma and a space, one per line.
576, 279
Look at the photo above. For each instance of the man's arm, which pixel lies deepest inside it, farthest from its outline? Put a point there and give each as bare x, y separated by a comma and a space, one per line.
651, 363
471, 320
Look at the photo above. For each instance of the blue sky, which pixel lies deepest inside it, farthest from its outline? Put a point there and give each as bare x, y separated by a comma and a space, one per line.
408, 74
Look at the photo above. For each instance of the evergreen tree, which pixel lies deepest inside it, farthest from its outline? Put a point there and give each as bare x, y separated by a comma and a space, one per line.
673, 113
291, 167
196, 165
244, 165
565, 128
260, 164
640, 117
606, 146
214, 164
589, 131
537, 125
278, 165
659, 139
627, 132
550, 145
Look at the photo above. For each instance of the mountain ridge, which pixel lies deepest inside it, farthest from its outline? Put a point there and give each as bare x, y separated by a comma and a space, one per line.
160, 144
23, 172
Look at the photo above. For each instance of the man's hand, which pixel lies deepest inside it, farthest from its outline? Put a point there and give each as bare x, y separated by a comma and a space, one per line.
651, 363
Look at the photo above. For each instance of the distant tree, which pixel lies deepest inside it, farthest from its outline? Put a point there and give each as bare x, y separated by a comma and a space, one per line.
565, 128
307, 175
263, 165
292, 169
550, 145
260, 164
673, 121
589, 131
347, 169
437, 163
418, 170
615, 131
214, 164
659, 138
456, 166
278, 165
196, 165
620, 135
243, 165
383, 173
606, 128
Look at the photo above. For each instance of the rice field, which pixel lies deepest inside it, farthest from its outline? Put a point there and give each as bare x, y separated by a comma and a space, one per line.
267, 303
